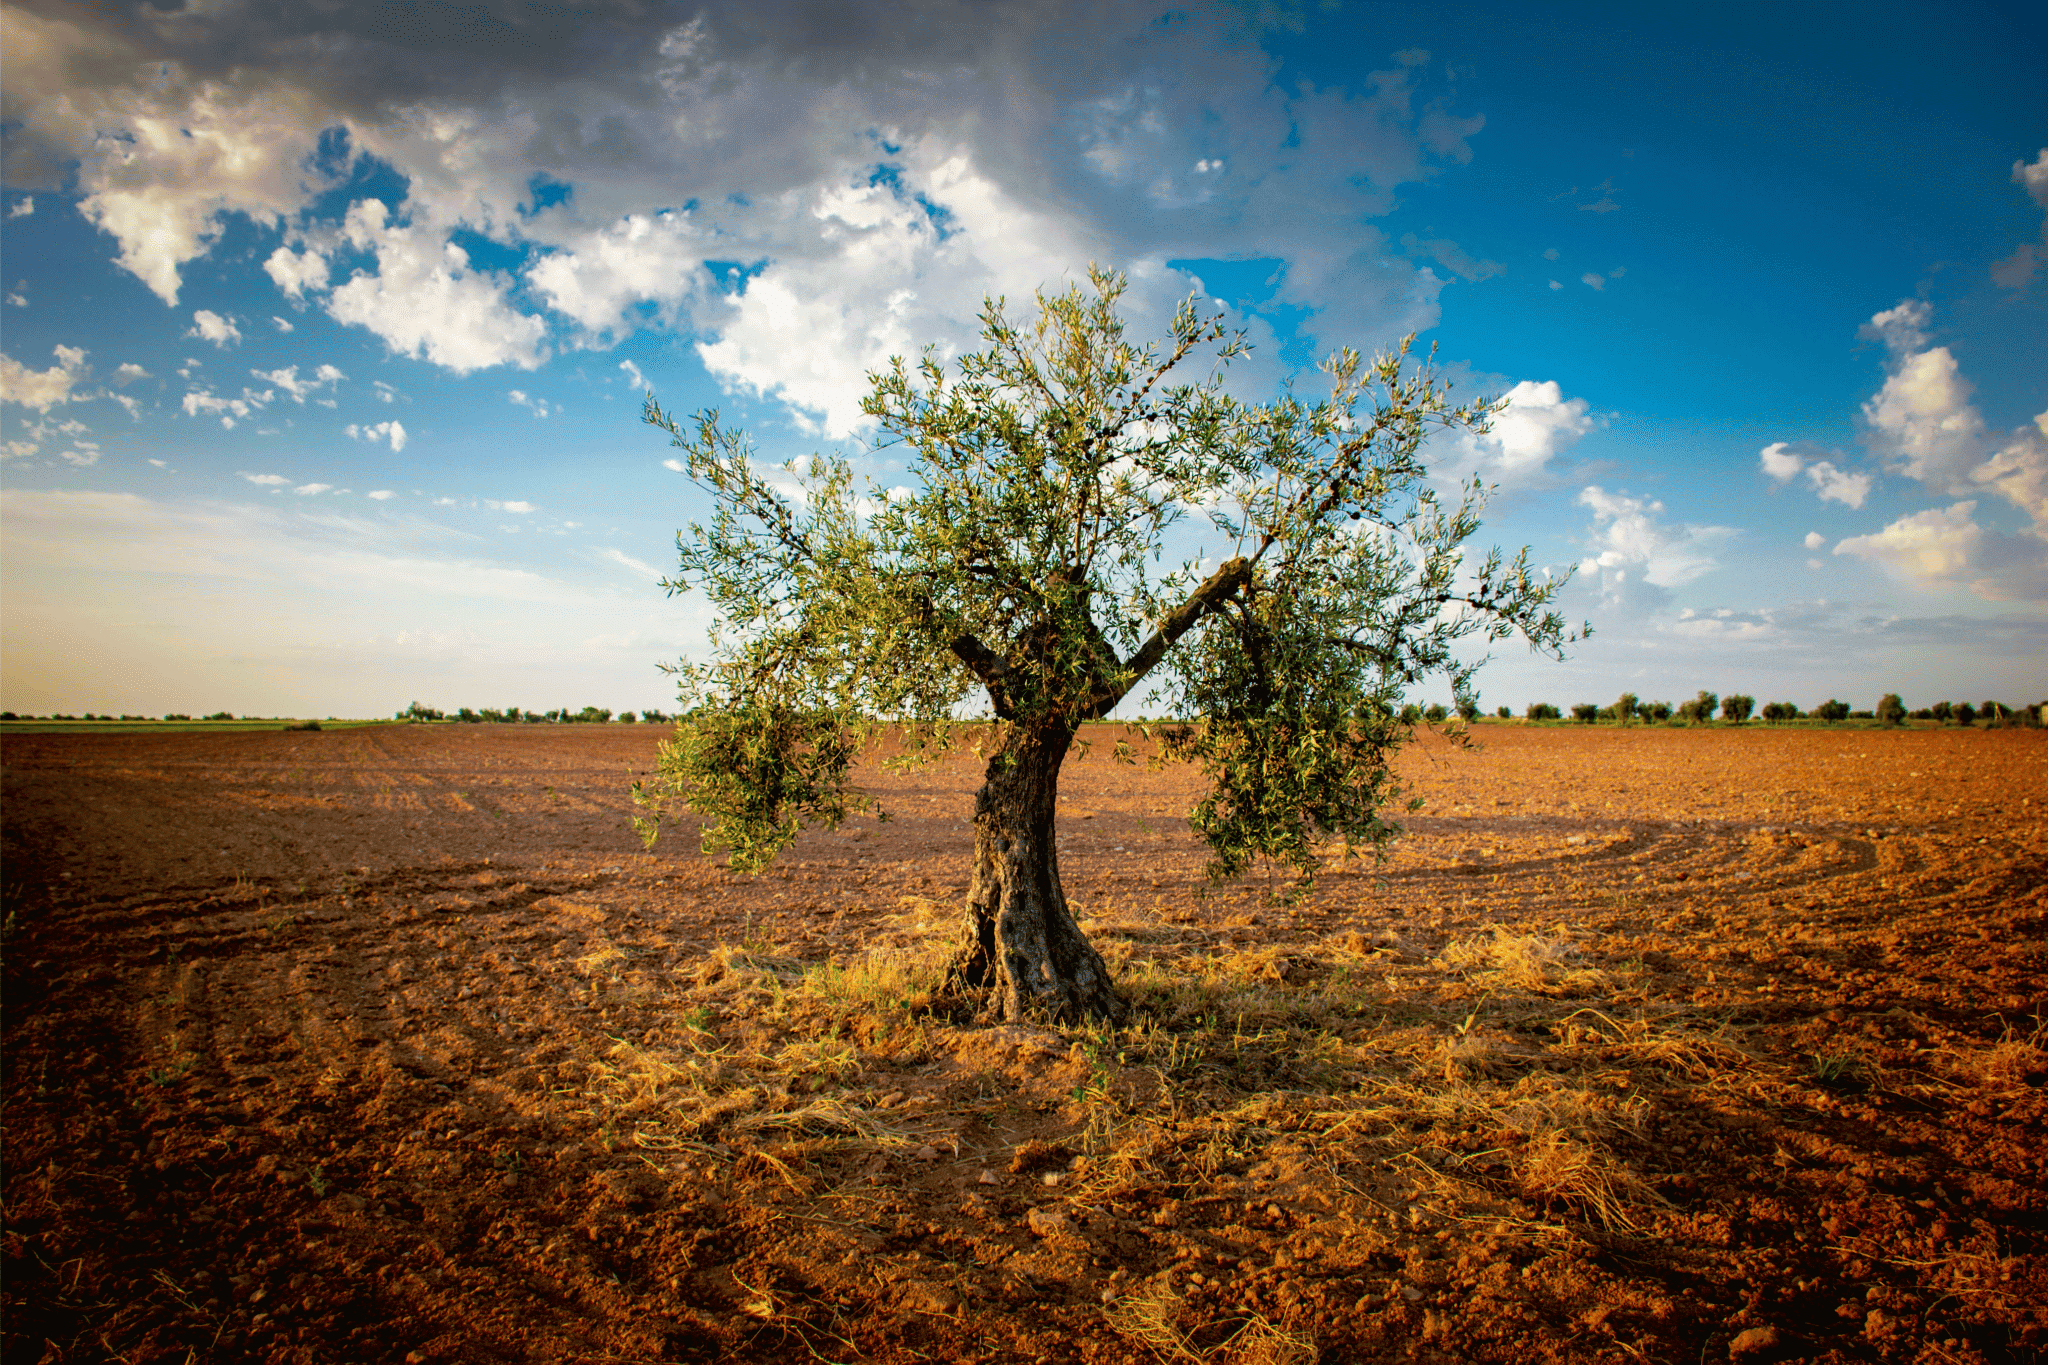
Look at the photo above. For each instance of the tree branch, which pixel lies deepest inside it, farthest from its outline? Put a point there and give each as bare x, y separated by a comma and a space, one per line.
1204, 599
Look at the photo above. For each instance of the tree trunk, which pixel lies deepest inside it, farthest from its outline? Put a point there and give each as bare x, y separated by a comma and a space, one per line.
1026, 953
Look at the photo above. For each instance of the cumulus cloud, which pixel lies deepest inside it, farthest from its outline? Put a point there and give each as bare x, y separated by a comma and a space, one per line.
1631, 536
42, 389
633, 375
380, 494
1924, 424
426, 301
519, 507
1538, 424
393, 432
2017, 270
1593, 281
208, 325
1941, 547
521, 399
1784, 459
23, 207
875, 178
326, 376
228, 410
306, 490
281, 324
1814, 540
266, 480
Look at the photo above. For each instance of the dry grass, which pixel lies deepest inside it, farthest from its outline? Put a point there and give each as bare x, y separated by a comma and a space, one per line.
1467, 1067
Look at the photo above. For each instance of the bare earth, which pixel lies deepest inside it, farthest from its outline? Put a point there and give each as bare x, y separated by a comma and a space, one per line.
1648, 1045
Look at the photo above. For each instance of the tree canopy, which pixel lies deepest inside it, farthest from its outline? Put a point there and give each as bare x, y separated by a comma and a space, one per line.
1023, 565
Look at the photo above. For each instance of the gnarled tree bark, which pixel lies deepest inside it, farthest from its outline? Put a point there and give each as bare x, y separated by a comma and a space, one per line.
1024, 950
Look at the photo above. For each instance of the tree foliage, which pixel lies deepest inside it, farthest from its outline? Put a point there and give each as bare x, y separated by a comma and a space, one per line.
1023, 566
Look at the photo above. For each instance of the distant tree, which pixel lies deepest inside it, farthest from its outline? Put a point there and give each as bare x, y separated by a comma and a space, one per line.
1436, 714
1411, 715
1780, 710
1831, 711
1625, 707
1504, 712
1586, 712
418, 713
176, 715
1890, 710
653, 717
1942, 711
1990, 710
593, 715
1964, 713
1542, 710
1700, 710
467, 716
222, 715
1045, 474
1657, 711
1467, 709
1736, 708
628, 718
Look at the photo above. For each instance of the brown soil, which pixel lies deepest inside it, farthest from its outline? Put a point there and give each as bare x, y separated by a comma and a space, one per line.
1647, 1045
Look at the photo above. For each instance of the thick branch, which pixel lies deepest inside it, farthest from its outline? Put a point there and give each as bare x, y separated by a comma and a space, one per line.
1204, 599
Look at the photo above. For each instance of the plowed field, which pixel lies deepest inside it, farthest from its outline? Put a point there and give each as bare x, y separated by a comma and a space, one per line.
1646, 1045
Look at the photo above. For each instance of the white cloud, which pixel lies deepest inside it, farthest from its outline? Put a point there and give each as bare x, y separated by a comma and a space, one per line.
82, 453
2017, 270
1831, 483
1593, 281
160, 464
380, 494
18, 300
640, 567
1555, 285
296, 272
426, 301
598, 276
1780, 461
883, 182
393, 432
633, 375
1946, 546
129, 372
1814, 540
267, 480
229, 410
306, 490
42, 389
326, 376
538, 406
281, 324
385, 393
676, 465
1632, 537
23, 207
1538, 424
518, 507
208, 325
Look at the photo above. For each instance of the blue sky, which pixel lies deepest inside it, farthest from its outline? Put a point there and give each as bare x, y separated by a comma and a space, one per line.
324, 334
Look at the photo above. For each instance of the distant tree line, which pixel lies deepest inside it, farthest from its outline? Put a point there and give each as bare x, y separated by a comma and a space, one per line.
1736, 709
512, 715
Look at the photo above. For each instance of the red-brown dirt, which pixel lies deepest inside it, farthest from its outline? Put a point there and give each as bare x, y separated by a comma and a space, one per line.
1647, 1045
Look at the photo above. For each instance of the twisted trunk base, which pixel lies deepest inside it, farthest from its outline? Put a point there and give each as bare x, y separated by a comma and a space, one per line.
1024, 950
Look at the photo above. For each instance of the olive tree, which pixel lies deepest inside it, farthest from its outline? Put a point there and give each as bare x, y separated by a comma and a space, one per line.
1022, 573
